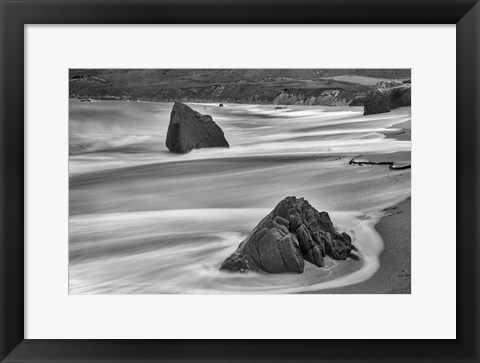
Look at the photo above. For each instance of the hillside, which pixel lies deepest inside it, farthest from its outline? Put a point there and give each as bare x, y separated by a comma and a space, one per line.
277, 86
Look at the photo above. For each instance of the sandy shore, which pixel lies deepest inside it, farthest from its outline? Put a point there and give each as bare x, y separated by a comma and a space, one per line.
393, 276
404, 134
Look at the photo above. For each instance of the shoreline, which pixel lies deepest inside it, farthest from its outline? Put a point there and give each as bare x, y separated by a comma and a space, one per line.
394, 274
217, 103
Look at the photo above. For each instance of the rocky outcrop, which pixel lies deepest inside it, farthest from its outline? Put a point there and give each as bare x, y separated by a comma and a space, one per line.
357, 101
293, 232
189, 130
386, 96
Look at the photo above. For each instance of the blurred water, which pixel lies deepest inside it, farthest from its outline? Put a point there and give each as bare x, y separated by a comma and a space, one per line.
143, 220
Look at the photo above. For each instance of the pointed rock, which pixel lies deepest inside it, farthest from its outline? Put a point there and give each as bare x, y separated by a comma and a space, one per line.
189, 130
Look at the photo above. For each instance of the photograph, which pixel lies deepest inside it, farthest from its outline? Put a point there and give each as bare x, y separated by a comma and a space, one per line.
239, 181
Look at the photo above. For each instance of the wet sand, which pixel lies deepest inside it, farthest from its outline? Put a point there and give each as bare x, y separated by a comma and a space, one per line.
405, 132
393, 276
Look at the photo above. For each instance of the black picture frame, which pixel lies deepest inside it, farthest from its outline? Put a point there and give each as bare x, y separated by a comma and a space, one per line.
15, 14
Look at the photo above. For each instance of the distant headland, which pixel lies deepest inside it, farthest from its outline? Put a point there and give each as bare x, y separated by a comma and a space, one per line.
325, 87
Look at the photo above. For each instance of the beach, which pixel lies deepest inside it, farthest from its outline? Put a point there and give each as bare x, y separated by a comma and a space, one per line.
147, 221
394, 274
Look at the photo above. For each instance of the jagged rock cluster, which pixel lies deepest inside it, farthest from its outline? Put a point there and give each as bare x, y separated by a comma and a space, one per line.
293, 232
386, 96
189, 130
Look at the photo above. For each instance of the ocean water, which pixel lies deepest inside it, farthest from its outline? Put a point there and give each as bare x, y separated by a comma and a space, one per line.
147, 221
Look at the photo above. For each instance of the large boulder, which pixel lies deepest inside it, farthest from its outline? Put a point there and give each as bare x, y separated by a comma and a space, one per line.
293, 232
386, 96
189, 130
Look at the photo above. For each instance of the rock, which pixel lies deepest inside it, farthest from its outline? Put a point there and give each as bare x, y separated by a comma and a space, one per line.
376, 101
189, 130
386, 96
293, 232
357, 101
220, 105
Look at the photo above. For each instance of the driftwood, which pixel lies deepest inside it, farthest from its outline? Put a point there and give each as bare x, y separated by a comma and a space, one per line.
390, 163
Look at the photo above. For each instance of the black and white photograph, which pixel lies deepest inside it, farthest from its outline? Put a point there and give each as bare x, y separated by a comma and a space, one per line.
239, 181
